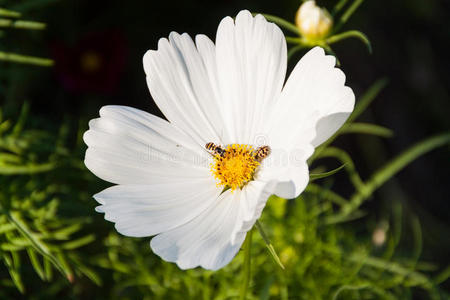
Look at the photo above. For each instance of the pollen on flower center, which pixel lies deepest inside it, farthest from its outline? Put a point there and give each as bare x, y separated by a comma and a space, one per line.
234, 166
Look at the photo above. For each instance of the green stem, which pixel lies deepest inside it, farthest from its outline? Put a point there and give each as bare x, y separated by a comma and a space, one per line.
9, 13
366, 128
269, 244
339, 6
247, 265
15, 219
350, 34
295, 40
348, 163
22, 24
24, 59
389, 170
294, 50
347, 14
282, 23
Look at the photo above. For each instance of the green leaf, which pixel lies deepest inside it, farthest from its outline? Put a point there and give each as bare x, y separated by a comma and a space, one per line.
26, 169
91, 274
294, 40
13, 272
65, 265
7, 158
269, 245
9, 13
282, 23
348, 163
366, 128
442, 276
4, 126
25, 59
79, 242
15, 218
22, 24
316, 176
350, 34
64, 233
20, 124
6, 227
48, 270
10, 247
339, 6
35, 263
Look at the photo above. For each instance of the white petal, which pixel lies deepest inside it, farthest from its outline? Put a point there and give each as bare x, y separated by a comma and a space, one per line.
145, 210
251, 66
289, 179
314, 99
181, 79
206, 240
129, 146
252, 202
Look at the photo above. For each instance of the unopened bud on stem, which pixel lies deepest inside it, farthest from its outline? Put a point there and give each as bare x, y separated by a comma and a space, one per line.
313, 22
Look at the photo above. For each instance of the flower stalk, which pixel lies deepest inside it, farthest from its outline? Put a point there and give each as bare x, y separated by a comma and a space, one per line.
247, 265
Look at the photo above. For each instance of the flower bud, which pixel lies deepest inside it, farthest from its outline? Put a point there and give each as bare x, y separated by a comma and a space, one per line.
312, 21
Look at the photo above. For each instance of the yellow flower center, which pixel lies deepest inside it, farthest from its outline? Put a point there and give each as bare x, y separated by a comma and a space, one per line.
235, 166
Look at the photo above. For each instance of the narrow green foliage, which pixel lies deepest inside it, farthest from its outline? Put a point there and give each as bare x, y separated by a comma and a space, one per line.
247, 266
8, 22
269, 245
21, 24
364, 128
282, 23
25, 59
13, 271
9, 13
29, 207
350, 34
34, 259
339, 6
347, 162
347, 14
442, 276
316, 176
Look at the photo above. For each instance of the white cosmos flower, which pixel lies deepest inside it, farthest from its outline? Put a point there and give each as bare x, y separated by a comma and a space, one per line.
231, 93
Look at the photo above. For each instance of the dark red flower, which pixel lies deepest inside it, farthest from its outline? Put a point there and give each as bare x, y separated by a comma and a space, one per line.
94, 64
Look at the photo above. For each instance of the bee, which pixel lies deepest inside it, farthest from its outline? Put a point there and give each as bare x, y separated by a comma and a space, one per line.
261, 153
215, 149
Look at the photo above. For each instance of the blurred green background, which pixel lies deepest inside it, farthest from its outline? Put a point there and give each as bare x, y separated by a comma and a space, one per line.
398, 248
